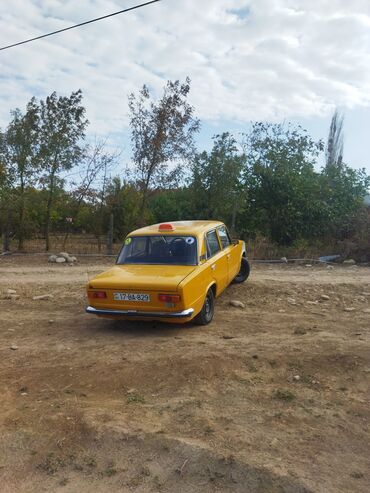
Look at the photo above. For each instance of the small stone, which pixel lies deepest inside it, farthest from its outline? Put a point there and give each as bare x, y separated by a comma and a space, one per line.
228, 337
65, 255
60, 260
312, 302
308, 265
329, 267
51, 321
296, 378
281, 310
325, 297
43, 297
349, 262
13, 347
300, 331
236, 304
10, 291
284, 259
349, 309
72, 260
52, 258
292, 301
11, 297
357, 475
24, 393
367, 310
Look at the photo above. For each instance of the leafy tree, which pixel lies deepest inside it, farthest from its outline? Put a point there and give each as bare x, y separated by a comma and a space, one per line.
171, 205
284, 191
18, 151
215, 181
162, 134
122, 200
3, 167
61, 129
344, 190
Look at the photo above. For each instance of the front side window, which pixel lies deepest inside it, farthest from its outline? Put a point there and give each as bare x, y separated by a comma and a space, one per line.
167, 250
213, 245
224, 236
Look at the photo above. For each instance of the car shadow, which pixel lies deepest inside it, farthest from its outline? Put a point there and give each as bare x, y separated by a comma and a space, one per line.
141, 329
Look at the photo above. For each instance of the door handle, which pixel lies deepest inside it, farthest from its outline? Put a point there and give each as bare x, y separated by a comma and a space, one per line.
213, 267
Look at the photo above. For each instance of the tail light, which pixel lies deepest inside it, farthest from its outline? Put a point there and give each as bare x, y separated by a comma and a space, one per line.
97, 294
169, 298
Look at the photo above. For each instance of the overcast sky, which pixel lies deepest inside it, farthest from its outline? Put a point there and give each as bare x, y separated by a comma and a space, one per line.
248, 60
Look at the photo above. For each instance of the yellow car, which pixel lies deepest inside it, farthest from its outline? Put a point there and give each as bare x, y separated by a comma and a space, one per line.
170, 272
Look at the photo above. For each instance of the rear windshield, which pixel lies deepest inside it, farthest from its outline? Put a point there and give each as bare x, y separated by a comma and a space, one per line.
168, 250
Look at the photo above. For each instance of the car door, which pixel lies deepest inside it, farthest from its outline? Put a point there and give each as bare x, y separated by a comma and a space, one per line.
216, 260
232, 253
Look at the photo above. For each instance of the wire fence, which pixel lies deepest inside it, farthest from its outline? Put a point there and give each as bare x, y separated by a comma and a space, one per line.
74, 244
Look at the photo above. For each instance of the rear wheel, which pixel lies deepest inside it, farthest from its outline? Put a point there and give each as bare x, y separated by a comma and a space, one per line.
205, 316
243, 272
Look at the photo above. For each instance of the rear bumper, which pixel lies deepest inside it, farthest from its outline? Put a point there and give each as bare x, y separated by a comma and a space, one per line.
136, 313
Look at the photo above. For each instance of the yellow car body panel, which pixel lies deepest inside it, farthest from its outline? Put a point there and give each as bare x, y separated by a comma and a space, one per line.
189, 284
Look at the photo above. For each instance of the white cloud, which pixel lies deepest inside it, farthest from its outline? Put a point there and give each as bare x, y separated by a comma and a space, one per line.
251, 59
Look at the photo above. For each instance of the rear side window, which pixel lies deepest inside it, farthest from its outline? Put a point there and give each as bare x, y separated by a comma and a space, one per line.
213, 245
224, 236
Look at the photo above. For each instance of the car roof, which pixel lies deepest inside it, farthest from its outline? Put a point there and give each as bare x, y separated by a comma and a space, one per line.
179, 227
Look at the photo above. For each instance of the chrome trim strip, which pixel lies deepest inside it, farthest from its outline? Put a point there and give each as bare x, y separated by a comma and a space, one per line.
137, 313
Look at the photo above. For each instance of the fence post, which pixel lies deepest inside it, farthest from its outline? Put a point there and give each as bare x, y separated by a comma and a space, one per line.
110, 236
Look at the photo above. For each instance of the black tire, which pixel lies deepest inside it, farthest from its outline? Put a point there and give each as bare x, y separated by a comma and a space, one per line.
243, 272
205, 316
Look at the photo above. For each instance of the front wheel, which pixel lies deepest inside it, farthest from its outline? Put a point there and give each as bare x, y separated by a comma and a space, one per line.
243, 272
205, 316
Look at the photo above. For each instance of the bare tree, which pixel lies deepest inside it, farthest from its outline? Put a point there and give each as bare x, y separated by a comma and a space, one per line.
96, 162
334, 148
162, 134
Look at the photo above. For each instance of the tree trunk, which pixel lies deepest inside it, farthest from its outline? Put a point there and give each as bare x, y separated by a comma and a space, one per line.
48, 212
142, 209
6, 237
110, 236
233, 217
65, 239
21, 218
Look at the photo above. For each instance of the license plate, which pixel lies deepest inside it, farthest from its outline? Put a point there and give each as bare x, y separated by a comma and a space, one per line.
131, 297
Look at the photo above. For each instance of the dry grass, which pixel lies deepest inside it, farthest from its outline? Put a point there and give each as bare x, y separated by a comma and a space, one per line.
258, 248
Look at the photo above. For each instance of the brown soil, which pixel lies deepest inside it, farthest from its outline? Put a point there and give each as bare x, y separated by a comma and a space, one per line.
270, 398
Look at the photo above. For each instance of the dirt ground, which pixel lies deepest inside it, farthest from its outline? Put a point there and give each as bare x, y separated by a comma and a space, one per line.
274, 397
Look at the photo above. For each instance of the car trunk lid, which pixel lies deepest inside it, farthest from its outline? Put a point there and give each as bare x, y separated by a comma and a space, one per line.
137, 287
